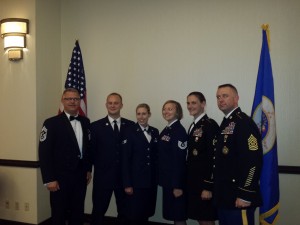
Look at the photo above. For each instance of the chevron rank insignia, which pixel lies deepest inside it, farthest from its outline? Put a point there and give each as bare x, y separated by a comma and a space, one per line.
182, 145
43, 135
252, 143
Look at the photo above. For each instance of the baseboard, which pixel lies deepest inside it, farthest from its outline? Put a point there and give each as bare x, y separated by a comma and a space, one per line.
108, 220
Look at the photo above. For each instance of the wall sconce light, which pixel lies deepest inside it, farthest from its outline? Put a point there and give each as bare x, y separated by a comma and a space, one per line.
13, 31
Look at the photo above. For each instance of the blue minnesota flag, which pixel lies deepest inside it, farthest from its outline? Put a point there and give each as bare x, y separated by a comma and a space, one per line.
263, 113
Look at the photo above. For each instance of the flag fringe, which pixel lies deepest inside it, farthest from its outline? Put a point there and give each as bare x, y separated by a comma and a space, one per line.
267, 214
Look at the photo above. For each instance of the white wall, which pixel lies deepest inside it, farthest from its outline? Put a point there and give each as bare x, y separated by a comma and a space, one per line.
149, 51
152, 51
26, 99
18, 121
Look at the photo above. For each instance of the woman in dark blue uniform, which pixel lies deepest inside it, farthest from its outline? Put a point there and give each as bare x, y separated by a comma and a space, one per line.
202, 133
139, 168
172, 164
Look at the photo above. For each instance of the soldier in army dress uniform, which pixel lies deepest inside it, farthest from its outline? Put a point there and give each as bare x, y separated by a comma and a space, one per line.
201, 136
238, 162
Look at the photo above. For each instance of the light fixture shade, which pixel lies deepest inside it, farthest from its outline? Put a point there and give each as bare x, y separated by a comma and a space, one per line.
14, 42
14, 26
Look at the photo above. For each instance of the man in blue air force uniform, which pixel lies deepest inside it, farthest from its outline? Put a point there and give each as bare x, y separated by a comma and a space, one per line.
107, 134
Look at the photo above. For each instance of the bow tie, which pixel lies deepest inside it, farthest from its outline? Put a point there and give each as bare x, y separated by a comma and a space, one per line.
74, 118
168, 128
147, 131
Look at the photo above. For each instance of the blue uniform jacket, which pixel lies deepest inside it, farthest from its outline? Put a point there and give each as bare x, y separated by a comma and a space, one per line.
139, 158
172, 156
105, 149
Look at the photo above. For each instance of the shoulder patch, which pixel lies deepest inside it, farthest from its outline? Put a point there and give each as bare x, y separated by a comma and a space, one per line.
43, 135
182, 145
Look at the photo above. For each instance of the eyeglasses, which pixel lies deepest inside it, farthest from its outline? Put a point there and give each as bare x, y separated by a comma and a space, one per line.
72, 99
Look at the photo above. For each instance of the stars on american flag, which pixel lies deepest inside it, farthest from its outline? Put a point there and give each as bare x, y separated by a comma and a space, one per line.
76, 75
76, 79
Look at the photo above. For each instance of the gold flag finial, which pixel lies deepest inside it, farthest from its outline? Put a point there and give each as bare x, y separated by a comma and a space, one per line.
266, 28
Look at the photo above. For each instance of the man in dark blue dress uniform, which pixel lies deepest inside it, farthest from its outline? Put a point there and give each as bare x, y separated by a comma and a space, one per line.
238, 162
63, 156
107, 134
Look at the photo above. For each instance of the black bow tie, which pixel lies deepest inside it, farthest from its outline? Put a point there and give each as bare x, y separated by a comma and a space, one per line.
147, 131
74, 118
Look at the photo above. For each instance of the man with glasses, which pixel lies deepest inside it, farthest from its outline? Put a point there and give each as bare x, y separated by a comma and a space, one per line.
63, 155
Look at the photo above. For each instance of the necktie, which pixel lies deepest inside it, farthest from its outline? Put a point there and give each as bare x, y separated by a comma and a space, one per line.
191, 127
116, 128
223, 122
74, 118
148, 135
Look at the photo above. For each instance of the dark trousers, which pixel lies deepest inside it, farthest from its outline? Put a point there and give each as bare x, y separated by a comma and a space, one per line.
101, 200
68, 202
236, 216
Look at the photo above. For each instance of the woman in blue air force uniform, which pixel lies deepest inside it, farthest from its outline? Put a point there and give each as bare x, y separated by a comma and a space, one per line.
139, 168
172, 164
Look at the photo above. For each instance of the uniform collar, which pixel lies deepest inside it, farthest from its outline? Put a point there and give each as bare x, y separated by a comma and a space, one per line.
227, 116
199, 118
111, 120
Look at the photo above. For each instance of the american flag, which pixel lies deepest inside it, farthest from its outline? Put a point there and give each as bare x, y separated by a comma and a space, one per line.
76, 79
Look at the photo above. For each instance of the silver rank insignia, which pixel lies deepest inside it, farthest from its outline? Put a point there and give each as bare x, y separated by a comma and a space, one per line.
43, 135
225, 150
124, 142
195, 152
252, 143
182, 145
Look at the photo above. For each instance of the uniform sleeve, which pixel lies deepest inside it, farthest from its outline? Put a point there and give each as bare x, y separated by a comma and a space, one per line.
93, 143
211, 134
179, 151
46, 153
126, 158
249, 159
88, 157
